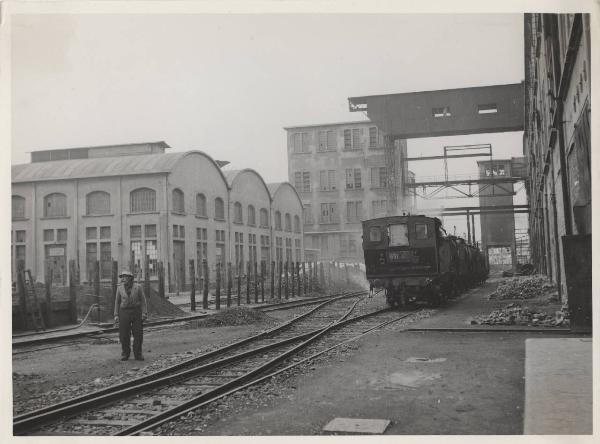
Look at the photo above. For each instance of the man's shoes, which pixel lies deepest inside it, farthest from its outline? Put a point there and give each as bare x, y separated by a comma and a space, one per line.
139, 358
124, 357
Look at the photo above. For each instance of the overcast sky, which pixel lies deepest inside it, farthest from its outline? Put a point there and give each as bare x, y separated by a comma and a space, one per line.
228, 84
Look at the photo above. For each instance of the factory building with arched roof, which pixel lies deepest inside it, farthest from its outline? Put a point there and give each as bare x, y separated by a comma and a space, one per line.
135, 203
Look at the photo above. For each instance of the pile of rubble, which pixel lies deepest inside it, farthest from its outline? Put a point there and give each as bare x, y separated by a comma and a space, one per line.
235, 316
525, 288
514, 314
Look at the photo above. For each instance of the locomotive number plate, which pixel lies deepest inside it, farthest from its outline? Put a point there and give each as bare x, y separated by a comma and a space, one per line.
402, 256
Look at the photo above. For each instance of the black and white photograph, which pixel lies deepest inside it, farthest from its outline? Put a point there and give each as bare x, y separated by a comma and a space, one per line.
289, 219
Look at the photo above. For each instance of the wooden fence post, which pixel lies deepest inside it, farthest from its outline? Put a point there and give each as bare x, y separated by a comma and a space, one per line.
287, 279
22, 292
279, 278
218, 292
48, 288
73, 291
193, 287
169, 287
97, 288
292, 268
229, 276
255, 282
239, 284
322, 276
114, 283
161, 280
248, 272
263, 266
272, 279
206, 278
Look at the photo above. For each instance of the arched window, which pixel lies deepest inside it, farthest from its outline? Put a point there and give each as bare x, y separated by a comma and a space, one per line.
264, 218
237, 213
277, 220
55, 205
219, 209
251, 215
97, 202
201, 205
288, 222
18, 207
142, 200
297, 224
178, 201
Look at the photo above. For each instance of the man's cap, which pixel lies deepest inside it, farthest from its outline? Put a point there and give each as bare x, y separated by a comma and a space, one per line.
126, 273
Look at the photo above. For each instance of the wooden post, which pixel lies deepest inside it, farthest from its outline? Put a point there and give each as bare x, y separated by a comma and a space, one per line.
218, 292
114, 283
239, 284
169, 288
22, 292
147, 276
263, 266
48, 288
229, 276
161, 280
272, 279
279, 278
304, 280
97, 287
292, 267
205, 276
347, 274
322, 276
287, 279
193, 288
72, 291
255, 282
248, 272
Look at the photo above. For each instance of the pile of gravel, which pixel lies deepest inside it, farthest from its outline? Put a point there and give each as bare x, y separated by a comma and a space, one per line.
514, 314
235, 316
524, 288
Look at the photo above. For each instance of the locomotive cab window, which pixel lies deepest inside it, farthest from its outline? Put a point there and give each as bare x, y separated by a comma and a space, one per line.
398, 234
375, 234
421, 231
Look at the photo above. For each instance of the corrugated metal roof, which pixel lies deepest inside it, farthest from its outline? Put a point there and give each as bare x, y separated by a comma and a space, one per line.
97, 167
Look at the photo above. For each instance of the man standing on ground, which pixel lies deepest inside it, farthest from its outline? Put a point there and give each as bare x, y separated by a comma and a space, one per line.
130, 311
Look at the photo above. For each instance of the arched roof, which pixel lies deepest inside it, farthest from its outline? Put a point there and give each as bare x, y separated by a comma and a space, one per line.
275, 186
232, 175
103, 167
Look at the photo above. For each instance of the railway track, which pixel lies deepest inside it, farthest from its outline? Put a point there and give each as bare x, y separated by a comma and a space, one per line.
153, 397
276, 306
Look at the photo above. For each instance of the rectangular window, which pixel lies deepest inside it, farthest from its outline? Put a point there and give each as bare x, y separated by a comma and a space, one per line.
308, 217
278, 249
91, 233
354, 211
331, 142
136, 255
91, 256
398, 235
328, 180
489, 108
353, 178
105, 260
298, 250
356, 138
373, 137
104, 232
347, 139
181, 232
328, 213
48, 235
421, 231
20, 236
379, 177
379, 208
220, 246
61, 235
135, 231
441, 112
152, 255
150, 230
322, 140
302, 181
300, 142
288, 249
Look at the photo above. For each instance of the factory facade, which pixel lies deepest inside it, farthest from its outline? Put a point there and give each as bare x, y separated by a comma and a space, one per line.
557, 143
137, 204
344, 173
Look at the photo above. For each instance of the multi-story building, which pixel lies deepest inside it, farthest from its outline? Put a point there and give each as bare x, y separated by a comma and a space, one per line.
137, 204
557, 140
344, 173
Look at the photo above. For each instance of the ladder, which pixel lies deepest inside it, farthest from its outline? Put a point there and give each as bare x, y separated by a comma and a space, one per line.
34, 312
